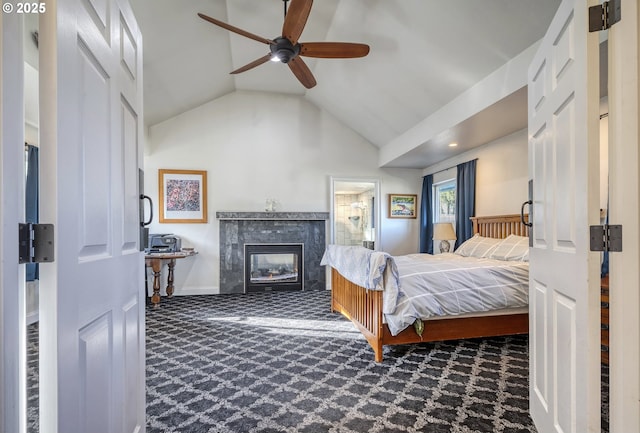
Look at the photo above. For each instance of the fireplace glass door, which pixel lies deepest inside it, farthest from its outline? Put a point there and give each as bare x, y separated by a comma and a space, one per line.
273, 267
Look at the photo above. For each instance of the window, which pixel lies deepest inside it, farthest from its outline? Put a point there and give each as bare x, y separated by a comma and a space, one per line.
444, 201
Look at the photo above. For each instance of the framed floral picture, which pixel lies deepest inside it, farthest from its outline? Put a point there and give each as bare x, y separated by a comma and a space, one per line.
183, 196
403, 205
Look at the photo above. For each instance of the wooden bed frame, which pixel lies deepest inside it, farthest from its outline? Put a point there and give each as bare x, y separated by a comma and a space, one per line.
364, 307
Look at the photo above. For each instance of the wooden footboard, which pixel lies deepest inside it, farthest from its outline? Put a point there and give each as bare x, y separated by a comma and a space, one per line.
364, 308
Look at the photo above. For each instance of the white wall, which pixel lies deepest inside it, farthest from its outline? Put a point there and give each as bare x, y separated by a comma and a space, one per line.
501, 174
256, 146
502, 171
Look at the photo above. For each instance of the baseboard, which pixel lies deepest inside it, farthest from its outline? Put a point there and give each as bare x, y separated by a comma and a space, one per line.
191, 291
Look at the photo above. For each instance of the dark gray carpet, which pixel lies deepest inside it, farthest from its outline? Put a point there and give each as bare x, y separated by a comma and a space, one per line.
282, 362
33, 378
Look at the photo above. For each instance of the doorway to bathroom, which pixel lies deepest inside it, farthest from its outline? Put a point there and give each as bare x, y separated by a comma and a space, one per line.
355, 216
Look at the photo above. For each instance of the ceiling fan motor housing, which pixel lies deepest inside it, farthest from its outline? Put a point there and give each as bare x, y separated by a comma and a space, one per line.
284, 50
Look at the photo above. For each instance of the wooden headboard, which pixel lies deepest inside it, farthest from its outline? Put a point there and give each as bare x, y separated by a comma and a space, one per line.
500, 226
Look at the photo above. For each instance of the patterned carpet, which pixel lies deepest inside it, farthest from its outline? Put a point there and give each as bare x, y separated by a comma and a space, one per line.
282, 362
33, 378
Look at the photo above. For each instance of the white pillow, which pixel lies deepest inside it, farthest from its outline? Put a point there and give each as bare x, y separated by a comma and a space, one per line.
478, 246
512, 248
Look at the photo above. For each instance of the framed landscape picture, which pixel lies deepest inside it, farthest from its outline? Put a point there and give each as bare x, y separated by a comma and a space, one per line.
403, 205
182, 196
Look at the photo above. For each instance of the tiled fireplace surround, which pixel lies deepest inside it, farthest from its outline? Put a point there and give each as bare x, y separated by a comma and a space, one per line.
238, 228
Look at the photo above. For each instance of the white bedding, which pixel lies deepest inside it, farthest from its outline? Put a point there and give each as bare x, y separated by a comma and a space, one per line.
370, 269
450, 284
425, 286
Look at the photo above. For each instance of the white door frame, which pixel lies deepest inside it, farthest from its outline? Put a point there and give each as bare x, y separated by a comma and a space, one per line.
333, 180
12, 330
624, 199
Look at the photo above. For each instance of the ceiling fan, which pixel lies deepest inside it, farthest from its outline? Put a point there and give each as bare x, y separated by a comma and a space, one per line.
287, 49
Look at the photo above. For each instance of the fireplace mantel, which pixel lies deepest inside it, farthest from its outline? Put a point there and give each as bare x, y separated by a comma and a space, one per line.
276, 216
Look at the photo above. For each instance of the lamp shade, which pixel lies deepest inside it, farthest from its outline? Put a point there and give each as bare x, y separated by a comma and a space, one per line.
443, 231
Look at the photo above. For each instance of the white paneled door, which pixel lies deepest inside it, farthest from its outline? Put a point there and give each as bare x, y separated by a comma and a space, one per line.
91, 297
564, 275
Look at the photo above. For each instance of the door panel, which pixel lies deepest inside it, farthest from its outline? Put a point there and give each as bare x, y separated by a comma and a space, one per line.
564, 154
539, 143
93, 111
128, 51
564, 279
93, 299
95, 375
564, 371
129, 167
98, 11
538, 335
133, 358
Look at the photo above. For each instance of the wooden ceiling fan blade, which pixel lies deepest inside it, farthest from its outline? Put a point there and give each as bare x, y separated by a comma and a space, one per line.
333, 50
296, 19
253, 64
302, 72
236, 30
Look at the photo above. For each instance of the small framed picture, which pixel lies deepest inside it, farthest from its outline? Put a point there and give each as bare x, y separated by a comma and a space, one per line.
183, 196
403, 205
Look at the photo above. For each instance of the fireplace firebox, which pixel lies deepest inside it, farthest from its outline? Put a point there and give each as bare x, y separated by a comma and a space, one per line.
273, 267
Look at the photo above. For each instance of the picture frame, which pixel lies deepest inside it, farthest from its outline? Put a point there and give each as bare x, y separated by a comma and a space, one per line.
182, 196
403, 205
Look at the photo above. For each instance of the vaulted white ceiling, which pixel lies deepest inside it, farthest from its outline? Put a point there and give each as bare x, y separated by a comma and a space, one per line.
424, 54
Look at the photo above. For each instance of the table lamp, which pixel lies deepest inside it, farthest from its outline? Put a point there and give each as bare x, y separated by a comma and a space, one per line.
443, 232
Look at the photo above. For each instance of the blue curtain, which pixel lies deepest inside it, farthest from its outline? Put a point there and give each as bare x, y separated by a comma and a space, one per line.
426, 217
465, 200
604, 267
31, 200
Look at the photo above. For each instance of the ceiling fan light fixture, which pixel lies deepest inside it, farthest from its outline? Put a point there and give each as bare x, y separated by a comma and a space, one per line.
285, 55
284, 50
